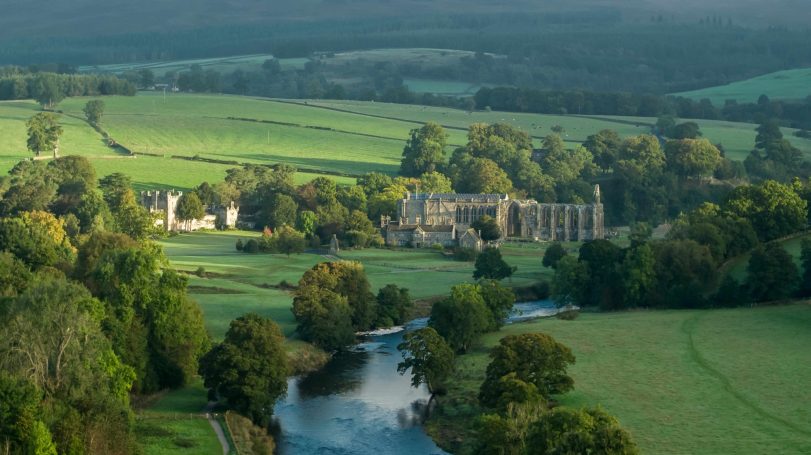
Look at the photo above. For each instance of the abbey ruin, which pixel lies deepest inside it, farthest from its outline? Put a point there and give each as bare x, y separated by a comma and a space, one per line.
425, 219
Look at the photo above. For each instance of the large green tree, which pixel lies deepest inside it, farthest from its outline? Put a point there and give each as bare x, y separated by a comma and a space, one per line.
461, 317
692, 157
249, 368
772, 274
394, 305
566, 430
44, 132
93, 110
535, 358
488, 228
774, 209
189, 208
491, 266
429, 358
424, 151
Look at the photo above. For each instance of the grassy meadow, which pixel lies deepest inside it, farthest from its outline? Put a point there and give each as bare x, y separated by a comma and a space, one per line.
341, 138
789, 85
175, 424
237, 283
699, 382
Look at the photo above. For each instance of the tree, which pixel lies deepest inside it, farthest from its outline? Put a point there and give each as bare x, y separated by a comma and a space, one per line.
461, 317
774, 209
506, 433
488, 228
249, 368
604, 147
553, 255
730, 293
14, 275
571, 285
565, 430
686, 130
692, 157
483, 175
280, 209
435, 182
394, 304
287, 240
43, 133
638, 275
189, 208
424, 151
47, 91
685, 272
491, 266
535, 358
772, 274
499, 301
19, 409
93, 111
429, 358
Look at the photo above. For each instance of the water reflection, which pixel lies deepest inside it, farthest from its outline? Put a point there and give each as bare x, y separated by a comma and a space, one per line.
359, 404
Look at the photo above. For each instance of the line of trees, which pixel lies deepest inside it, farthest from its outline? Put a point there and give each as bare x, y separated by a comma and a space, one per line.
48, 89
794, 113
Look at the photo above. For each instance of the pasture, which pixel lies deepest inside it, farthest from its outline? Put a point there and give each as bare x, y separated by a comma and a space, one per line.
161, 67
698, 382
792, 84
237, 283
342, 139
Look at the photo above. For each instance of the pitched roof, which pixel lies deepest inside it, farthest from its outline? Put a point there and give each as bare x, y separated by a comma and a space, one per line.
423, 227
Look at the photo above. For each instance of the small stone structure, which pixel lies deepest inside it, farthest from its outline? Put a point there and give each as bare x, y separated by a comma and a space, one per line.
165, 203
425, 219
334, 245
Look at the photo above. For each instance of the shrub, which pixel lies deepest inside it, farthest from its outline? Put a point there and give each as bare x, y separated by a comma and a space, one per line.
568, 314
465, 254
251, 246
437, 246
240, 245
201, 272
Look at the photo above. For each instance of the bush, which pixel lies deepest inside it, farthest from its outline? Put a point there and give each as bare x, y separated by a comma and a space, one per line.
465, 254
357, 239
240, 245
201, 272
437, 246
251, 246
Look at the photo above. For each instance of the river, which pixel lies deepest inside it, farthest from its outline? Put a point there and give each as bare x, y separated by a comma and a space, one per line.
359, 404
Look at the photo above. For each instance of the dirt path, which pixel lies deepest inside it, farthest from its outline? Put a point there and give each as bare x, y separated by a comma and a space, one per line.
215, 424
688, 327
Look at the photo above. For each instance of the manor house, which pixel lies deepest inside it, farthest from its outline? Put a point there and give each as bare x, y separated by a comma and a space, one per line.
165, 203
426, 219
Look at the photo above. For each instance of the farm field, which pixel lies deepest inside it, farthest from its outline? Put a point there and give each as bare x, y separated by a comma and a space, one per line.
341, 138
438, 87
789, 84
699, 382
160, 68
238, 283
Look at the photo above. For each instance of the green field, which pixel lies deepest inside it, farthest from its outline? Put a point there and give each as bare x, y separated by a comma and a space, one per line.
160, 68
238, 283
175, 424
788, 85
698, 382
340, 138
438, 87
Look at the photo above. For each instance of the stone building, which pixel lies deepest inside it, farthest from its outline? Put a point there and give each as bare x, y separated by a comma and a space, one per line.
165, 203
421, 216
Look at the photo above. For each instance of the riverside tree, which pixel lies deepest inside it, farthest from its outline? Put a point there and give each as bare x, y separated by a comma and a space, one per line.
249, 368
491, 266
429, 358
461, 317
535, 358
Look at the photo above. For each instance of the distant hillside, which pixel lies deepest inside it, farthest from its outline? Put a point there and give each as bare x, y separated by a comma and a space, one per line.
785, 85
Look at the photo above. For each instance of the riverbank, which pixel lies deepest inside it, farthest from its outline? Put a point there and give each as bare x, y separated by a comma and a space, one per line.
701, 381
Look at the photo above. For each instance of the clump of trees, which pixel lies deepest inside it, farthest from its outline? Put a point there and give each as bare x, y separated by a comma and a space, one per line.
49, 89
525, 372
91, 311
333, 301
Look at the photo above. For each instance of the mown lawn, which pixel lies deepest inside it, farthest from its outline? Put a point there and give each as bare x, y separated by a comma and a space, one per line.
698, 382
